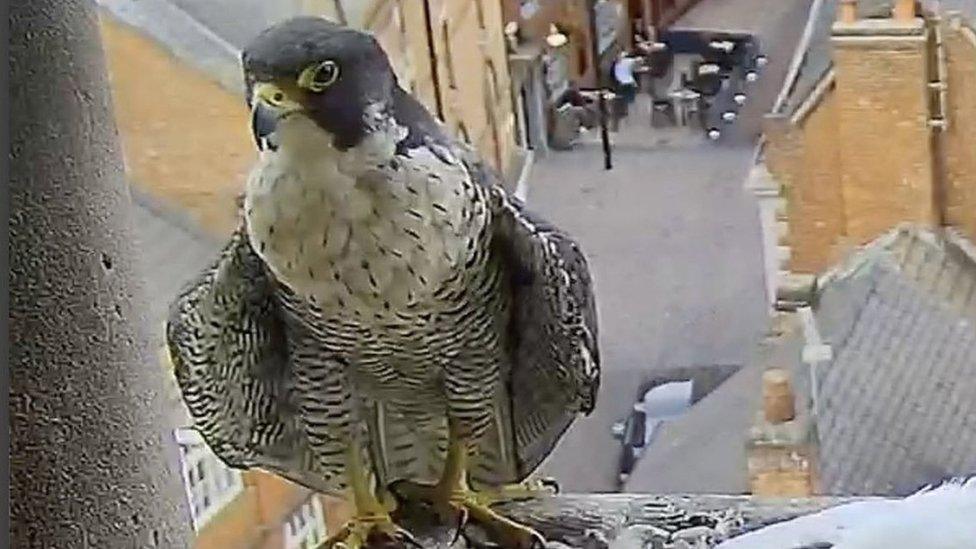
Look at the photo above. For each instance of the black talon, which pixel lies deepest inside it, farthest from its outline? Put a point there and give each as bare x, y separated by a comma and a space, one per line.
461, 523
550, 482
410, 540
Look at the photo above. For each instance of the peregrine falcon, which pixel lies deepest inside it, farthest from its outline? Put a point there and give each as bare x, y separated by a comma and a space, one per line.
386, 311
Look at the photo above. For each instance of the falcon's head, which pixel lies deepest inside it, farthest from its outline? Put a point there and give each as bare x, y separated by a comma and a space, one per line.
338, 78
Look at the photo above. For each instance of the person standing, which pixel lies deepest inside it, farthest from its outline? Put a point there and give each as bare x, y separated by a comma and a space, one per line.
623, 74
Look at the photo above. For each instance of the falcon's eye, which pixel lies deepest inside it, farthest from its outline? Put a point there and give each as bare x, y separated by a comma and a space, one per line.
318, 77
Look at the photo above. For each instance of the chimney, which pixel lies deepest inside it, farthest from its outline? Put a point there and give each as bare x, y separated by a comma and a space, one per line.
882, 117
778, 405
847, 12
780, 450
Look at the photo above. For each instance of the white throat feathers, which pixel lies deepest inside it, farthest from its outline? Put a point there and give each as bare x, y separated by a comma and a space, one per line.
364, 231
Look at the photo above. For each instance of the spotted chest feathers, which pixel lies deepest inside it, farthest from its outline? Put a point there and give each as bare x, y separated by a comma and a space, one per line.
363, 231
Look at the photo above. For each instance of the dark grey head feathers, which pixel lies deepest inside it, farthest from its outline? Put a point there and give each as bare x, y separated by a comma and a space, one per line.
330, 72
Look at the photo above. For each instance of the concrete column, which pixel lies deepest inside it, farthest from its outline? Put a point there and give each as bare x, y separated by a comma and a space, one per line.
91, 462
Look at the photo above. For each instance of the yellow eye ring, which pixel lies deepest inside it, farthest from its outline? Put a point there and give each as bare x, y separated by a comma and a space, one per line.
319, 76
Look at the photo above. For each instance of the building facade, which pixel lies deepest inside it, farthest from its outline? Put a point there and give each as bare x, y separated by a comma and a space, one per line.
550, 49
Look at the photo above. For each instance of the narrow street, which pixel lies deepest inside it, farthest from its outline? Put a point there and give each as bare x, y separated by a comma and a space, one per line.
674, 242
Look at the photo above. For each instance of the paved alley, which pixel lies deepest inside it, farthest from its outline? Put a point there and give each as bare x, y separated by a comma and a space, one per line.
674, 242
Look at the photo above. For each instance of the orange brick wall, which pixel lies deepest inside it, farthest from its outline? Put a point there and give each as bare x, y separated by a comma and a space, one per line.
885, 152
782, 471
234, 526
960, 139
278, 498
815, 203
184, 137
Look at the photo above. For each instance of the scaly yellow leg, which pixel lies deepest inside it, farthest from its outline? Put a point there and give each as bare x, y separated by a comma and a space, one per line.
371, 522
454, 500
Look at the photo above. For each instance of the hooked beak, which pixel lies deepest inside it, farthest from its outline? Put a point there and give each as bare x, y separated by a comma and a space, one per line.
270, 105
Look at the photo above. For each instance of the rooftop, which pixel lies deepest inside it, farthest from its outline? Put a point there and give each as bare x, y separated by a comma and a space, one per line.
896, 401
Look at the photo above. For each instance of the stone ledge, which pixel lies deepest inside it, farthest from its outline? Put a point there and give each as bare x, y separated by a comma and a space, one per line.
889, 28
624, 521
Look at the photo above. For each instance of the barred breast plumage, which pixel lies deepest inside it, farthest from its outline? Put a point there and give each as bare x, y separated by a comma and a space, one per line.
386, 277
381, 282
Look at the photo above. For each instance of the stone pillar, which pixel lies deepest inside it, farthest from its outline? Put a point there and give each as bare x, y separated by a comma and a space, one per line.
781, 451
92, 462
883, 133
767, 193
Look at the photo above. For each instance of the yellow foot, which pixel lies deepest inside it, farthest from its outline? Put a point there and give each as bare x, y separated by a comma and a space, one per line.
529, 489
461, 506
370, 532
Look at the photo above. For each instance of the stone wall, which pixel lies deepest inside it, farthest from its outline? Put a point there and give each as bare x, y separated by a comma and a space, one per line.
882, 114
184, 137
859, 158
815, 203
960, 138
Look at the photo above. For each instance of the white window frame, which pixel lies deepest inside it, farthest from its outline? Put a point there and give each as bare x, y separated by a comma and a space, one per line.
305, 526
219, 484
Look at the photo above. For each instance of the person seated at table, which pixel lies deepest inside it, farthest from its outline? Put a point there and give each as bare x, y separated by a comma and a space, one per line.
623, 75
573, 96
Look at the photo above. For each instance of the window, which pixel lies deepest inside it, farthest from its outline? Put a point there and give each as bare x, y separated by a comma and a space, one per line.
448, 58
480, 12
462, 131
492, 98
305, 527
209, 483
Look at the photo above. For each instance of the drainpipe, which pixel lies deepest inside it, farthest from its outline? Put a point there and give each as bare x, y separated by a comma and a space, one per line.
92, 458
938, 115
432, 55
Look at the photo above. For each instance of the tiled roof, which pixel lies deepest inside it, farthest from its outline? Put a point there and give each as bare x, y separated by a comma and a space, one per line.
897, 403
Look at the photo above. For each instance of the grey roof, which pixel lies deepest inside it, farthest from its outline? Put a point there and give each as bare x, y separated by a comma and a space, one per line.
897, 403
209, 34
703, 451
183, 36
173, 251
238, 21
818, 57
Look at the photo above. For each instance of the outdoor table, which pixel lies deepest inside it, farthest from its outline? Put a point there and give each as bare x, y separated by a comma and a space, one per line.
683, 100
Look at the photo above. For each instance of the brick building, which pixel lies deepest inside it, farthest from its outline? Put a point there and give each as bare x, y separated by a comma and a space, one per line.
866, 186
176, 83
877, 127
879, 366
550, 47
